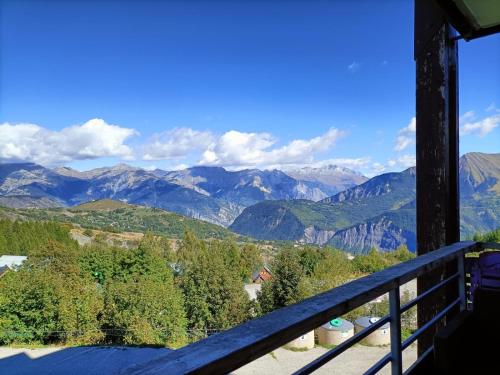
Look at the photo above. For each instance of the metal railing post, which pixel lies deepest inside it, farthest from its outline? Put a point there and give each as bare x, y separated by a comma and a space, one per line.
461, 282
396, 353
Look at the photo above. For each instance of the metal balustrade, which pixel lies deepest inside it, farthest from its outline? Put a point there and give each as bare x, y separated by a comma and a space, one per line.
229, 350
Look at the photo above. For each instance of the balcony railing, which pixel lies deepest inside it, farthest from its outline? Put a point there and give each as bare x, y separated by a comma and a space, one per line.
229, 350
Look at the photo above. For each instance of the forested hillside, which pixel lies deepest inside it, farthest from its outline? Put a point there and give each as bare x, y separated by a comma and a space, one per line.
100, 294
18, 238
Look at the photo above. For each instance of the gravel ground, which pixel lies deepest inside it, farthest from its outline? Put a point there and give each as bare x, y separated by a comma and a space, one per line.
356, 360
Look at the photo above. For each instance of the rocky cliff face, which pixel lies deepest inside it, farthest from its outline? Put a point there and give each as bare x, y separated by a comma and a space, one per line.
313, 235
381, 233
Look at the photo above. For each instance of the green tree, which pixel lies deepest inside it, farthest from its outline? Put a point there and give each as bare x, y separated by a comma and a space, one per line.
144, 261
144, 312
188, 249
288, 284
402, 254
333, 270
156, 244
493, 236
28, 307
372, 262
81, 304
21, 237
250, 261
100, 262
309, 258
214, 293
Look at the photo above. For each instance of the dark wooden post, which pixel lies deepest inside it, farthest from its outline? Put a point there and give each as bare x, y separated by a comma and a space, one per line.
437, 148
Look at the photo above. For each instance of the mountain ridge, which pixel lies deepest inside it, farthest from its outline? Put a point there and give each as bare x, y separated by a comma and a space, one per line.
378, 213
208, 193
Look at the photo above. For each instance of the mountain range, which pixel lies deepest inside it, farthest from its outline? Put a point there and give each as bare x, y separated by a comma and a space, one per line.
377, 213
209, 193
324, 206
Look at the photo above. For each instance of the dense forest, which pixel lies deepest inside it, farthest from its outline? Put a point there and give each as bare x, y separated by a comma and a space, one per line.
100, 294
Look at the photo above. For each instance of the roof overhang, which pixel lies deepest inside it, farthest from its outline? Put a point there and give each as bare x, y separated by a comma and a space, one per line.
472, 18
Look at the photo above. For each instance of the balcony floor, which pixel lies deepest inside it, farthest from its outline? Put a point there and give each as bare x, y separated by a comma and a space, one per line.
84, 360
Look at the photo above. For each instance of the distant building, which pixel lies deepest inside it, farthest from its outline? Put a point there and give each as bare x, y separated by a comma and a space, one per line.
263, 275
12, 261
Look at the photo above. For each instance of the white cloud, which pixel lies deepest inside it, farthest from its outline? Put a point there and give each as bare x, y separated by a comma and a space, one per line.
468, 125
492, 108
406, 136
480, 128
176, 143
402, 142
392, 163
179, 167
467, 116
354, 67
407, 161
239, 149
401, 162
93, 139
376, 169
352, 163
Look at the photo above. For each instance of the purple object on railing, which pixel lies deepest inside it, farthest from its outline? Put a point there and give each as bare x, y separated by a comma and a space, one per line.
489, 269
485, 273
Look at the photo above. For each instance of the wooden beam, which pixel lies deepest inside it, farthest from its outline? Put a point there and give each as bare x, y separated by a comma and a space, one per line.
437, 149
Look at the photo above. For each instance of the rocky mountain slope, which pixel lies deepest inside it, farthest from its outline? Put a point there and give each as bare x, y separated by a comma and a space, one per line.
479, 174
332, 175
317, 222
208, 193
248, 186
378, 213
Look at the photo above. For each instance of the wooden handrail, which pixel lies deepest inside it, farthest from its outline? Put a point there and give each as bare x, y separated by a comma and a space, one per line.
229, 350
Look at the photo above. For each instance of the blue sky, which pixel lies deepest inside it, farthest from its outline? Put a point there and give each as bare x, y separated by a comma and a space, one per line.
237, 84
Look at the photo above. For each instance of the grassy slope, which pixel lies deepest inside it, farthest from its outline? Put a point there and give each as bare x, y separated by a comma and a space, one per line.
102, 215
101, 205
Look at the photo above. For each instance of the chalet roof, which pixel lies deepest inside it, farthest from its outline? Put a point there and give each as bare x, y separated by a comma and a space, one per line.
256, 274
